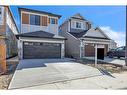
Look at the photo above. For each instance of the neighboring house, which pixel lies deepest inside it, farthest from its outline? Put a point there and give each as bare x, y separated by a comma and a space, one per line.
82, 38
38, 36
8, 29
113, 44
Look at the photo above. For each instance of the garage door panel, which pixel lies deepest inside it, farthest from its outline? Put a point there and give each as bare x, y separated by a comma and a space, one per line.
41, 51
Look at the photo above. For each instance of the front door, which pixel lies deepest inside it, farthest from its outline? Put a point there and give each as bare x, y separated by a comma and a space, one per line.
100, 53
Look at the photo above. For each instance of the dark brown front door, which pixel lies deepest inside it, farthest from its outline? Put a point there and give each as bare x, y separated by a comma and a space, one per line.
100, 53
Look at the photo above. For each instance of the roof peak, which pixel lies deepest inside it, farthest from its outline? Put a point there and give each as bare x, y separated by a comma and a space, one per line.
78, 15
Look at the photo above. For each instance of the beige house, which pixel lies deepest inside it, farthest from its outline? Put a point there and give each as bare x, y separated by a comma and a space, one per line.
82, 38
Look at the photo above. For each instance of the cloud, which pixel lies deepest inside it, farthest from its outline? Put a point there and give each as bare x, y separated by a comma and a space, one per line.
118, 36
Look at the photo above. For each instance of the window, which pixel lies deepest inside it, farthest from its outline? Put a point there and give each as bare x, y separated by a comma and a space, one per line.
28, 43
78, 25
52, 21
34, 20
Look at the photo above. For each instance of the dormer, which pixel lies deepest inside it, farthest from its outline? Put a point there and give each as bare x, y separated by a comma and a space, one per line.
78, 22
34, 20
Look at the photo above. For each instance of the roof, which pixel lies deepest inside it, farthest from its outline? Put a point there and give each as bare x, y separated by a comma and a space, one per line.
96, 33
78, 16
78, 33
91, 33
37, 11
39, 34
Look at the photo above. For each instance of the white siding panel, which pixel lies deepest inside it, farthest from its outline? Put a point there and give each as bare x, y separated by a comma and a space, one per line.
52, 28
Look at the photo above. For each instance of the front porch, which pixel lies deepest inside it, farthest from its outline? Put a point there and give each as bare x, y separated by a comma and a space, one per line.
94, 45
97, 44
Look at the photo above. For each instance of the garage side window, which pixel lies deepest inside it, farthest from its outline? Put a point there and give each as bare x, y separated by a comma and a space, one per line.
28, 43
34, 20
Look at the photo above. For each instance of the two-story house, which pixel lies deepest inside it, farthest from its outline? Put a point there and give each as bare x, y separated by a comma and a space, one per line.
82, 38
8, 41
38, 36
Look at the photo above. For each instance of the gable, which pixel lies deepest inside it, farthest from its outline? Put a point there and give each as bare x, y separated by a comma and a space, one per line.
78, 16
96, 33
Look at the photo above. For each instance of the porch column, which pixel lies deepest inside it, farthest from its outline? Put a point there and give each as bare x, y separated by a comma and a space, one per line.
62, 50
81, 49
95, 55
108, 46
20, 45
84, 49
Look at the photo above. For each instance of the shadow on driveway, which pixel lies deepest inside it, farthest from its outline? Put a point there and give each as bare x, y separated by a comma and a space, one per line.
36, 63
105, 72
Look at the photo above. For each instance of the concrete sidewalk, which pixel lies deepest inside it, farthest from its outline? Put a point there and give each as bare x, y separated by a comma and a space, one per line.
34, 72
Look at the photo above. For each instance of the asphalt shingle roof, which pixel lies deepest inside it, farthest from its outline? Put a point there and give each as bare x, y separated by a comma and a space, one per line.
40, 34
78, 33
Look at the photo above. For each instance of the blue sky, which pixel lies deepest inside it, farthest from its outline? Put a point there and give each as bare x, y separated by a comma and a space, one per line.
111, 18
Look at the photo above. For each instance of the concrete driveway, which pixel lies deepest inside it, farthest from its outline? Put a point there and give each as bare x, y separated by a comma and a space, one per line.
35, 72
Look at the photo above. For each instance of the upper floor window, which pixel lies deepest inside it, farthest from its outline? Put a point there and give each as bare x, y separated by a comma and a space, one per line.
78, 25
34, 20
52, 21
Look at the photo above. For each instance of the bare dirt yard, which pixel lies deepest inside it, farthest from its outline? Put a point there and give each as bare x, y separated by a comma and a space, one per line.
6, 78
112, 68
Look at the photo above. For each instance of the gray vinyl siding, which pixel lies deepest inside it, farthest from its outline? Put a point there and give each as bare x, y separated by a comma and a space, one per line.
72, 45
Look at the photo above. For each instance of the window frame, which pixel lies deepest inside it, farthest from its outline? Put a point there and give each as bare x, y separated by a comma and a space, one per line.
35, 20
78, 24
52, 21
